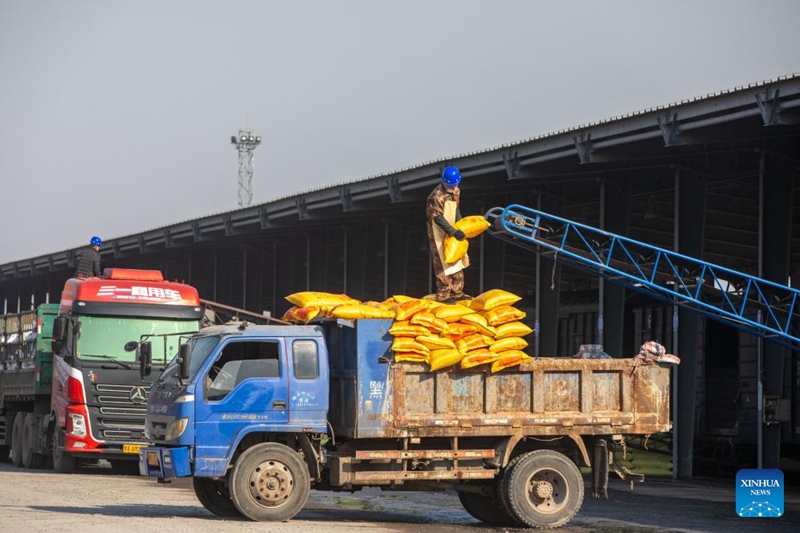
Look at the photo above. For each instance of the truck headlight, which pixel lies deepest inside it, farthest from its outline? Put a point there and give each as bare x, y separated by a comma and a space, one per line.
77, 425
176, 428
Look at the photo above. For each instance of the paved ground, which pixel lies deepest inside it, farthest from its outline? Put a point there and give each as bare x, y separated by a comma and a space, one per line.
33, 501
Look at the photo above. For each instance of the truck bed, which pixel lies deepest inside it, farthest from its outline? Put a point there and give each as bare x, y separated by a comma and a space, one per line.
372, 397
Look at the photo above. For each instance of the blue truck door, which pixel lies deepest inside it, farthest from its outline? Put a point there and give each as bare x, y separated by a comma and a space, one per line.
246, 386
308, 383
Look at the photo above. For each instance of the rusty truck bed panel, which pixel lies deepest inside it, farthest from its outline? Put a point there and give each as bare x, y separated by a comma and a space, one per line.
548, 396
373, 397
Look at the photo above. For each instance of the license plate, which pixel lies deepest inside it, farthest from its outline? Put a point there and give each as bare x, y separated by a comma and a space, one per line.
131, 448
152, 458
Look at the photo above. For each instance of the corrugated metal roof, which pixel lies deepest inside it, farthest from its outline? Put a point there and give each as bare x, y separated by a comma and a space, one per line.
551, 144
508, 145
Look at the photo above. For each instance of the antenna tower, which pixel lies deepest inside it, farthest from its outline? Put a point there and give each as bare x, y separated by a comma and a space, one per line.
245, 144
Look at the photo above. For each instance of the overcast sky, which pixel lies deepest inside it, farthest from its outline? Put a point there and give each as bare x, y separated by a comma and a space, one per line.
116, 116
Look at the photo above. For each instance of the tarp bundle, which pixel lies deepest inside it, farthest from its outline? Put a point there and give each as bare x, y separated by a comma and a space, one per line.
470, 333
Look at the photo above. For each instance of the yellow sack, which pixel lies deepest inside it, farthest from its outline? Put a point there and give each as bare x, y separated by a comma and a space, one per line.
478, 357
410, 357
472, 226
406, 329
406, 310
459, 330
444, 358
360, 311
319, 299
473, 342
435, 342
508, 343
401, 298
503, 315
480, 324
451, 313
289, 315
512, 329
493, 298
407, 344
510, 358
430, 321
454, 249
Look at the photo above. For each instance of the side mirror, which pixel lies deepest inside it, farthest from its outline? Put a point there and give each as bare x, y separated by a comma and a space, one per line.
59, 331
185, 358
145, 359
59, 328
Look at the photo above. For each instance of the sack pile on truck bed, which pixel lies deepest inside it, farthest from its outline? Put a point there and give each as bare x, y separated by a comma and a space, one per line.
482, 331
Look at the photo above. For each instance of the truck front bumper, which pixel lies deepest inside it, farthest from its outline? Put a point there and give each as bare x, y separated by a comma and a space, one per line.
165, 463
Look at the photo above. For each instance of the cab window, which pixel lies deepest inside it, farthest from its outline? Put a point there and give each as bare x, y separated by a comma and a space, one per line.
239, 361
306, 359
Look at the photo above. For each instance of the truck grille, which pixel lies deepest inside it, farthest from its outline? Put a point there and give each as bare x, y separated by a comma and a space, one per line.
117, 418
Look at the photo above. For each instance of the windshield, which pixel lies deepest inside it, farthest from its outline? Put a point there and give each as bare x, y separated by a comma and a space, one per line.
104, 338
201, 349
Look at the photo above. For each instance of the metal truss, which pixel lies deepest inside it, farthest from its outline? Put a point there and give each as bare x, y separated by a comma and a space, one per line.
746, 302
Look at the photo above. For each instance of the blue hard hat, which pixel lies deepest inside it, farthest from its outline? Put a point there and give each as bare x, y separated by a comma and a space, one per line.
96, 241
451, 176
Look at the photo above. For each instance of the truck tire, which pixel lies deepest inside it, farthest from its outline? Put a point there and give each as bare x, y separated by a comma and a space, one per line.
63, 462
542, 489
30, 435
215, 497
487, 509
16, 439
270, 482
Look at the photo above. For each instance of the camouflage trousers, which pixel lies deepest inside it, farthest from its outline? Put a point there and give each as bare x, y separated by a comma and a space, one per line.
447, 287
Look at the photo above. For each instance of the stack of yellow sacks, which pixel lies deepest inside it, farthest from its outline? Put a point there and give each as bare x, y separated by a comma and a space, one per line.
487, 329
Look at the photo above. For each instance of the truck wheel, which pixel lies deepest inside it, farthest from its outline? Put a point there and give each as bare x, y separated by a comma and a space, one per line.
31, 459
63, 462
215, 497
487, 509
16, 439
542, 489
270, 482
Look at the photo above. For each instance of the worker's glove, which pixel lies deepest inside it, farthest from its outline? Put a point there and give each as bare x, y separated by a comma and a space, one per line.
459, 235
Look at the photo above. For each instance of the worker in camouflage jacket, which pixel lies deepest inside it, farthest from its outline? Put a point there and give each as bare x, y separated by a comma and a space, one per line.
442, 213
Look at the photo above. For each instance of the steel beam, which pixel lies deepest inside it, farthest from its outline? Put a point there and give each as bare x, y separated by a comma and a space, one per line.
548, 277
614, 218
776, 199
690, 200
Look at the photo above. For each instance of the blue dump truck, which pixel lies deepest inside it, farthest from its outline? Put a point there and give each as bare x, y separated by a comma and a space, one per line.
260, 415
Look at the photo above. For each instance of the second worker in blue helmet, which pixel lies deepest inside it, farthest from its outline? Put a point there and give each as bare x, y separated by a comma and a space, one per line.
442, 212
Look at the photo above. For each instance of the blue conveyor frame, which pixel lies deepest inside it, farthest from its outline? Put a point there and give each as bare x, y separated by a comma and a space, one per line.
761, 307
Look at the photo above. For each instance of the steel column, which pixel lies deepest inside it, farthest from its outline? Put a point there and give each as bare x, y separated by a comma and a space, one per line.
548, 275
397, 253
776, 183
317, 264
690, 201
355, 263
613, 218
